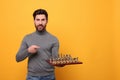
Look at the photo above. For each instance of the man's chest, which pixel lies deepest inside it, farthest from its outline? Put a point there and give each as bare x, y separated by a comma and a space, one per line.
43, 42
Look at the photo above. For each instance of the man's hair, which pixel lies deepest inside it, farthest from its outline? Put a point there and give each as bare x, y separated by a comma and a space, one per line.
40, 11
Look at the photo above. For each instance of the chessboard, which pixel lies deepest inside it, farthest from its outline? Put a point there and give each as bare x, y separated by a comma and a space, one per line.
64, 60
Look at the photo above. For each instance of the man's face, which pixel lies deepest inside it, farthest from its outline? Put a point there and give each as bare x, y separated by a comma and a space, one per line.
40, 22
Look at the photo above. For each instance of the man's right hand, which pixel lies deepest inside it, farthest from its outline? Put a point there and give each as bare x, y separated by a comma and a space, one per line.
33, 49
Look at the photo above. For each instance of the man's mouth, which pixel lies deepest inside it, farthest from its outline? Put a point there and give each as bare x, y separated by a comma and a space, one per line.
40, 27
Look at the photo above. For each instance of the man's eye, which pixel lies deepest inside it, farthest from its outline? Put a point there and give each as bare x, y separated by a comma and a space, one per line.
43, 19
37, 19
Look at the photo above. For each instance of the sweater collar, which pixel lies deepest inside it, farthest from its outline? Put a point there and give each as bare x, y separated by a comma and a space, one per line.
42, 32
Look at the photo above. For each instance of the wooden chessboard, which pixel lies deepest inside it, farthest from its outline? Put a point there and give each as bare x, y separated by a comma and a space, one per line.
61, 64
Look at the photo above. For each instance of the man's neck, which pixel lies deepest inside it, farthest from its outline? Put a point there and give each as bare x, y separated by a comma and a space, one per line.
41, 32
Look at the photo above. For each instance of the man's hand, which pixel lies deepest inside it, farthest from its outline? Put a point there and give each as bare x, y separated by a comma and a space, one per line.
33, 49
61, 65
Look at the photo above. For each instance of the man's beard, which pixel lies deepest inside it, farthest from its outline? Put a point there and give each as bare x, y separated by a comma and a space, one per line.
40, 27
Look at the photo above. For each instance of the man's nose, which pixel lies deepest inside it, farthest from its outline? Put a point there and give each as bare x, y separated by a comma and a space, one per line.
40, 22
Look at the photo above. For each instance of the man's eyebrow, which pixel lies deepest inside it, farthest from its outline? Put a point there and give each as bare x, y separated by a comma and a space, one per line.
43, 19
37, 19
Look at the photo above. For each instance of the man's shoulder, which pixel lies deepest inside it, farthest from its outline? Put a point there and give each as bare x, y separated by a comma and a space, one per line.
52, 36
29, 35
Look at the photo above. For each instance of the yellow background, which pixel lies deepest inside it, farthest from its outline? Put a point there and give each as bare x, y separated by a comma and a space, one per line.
89, 29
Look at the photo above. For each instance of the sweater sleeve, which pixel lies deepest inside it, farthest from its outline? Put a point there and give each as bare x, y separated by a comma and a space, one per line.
55, 49
22, 52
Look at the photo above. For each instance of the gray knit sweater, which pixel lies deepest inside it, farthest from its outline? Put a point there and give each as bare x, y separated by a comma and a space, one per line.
37, 65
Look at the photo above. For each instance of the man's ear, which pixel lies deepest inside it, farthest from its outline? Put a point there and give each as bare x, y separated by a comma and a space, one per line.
47, 21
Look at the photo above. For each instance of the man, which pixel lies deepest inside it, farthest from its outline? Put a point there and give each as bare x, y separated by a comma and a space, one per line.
39, 46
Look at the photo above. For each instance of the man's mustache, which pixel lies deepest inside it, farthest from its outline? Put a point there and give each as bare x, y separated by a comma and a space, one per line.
40, 25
